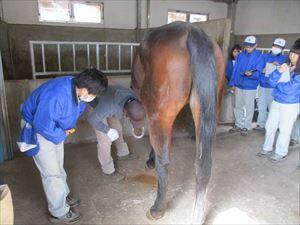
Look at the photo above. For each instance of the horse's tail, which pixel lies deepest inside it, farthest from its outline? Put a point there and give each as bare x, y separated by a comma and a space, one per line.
203, 101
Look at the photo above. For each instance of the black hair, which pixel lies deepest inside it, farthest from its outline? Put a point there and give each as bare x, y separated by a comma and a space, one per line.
237, 47
296, 49
93, 80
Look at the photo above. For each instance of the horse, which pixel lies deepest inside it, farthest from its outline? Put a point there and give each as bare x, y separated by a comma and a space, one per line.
177, 64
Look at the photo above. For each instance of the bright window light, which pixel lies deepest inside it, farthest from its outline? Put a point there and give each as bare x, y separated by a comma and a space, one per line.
87, 13
54, 11
69, 11
176, 16
197, 18
186, 16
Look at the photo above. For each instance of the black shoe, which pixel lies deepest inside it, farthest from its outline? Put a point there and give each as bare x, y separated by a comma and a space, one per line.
244, 132
259, 128
72, 202
70, 218
293, 142
235, 129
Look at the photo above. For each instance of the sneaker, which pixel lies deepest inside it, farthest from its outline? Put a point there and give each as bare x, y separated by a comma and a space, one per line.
264, 153
72, 202
235, 129
259, 128
244, 132
276, 158
115, 177
130, 156
70, 218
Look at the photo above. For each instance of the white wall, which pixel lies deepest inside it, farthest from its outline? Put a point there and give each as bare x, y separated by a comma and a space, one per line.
119, 14
267, 17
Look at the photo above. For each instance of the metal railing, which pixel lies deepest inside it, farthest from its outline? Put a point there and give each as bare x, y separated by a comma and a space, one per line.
34, 53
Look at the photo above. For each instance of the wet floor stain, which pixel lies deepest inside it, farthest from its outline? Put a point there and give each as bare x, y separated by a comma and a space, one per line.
146, 179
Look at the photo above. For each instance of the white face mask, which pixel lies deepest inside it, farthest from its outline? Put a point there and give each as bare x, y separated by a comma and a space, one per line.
276, 50
88, 98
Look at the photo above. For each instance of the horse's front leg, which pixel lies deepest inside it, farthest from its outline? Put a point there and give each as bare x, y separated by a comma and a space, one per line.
150, 164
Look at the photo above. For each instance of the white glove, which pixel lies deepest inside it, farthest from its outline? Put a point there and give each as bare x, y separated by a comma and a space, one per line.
113, 134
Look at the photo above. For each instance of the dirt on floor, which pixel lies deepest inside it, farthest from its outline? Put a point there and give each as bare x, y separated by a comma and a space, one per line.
244, 188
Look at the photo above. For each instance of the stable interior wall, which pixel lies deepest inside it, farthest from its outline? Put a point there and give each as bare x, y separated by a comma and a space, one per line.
268, 19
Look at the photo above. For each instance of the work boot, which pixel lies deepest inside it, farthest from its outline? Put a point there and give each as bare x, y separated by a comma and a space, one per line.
130, 156
264, 153
72, 202
235, 129
115, 177
70, 218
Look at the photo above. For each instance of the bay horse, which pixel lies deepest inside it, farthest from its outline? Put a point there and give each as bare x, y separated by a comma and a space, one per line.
177, 64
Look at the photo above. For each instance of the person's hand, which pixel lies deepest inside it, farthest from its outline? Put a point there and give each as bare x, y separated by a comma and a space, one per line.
284, 68
276, 63
231, 90
248, 73
70, 131
264, 70
113, 134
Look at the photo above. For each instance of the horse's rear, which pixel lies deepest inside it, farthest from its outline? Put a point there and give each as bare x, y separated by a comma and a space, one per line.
175, 65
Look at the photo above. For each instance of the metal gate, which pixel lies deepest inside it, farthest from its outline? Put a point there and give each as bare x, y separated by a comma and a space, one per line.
101, 53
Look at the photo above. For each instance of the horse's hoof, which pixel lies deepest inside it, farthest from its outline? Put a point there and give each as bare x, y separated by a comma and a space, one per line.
151, 215
150, 164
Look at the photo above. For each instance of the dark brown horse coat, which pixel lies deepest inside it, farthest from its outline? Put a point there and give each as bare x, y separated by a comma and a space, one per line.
177, 64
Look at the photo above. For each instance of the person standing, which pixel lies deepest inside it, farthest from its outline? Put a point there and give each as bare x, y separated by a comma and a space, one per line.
244, 82
285, 106
276, 58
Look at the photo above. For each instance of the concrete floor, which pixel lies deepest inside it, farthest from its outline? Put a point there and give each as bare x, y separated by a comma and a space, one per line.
244, 188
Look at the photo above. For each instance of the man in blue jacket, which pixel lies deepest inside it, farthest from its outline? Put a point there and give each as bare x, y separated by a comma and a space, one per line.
52, 111
265, 98
244, 82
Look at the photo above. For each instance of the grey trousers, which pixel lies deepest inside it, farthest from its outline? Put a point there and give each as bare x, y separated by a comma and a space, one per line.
50, 162
244, 98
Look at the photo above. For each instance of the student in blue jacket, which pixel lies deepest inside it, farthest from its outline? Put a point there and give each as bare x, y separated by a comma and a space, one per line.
52, 111
235, 51
244, 82
285, 107
265, 98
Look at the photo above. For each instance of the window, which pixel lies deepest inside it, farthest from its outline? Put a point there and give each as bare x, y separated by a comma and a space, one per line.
186, 17
70, 11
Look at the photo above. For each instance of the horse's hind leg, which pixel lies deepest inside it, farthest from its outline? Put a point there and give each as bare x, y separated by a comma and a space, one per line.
151, 160
160, 137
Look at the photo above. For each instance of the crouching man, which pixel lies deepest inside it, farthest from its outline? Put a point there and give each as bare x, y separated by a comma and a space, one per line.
109, 108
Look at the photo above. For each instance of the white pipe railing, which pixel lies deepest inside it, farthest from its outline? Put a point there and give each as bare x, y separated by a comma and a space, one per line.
97, 45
